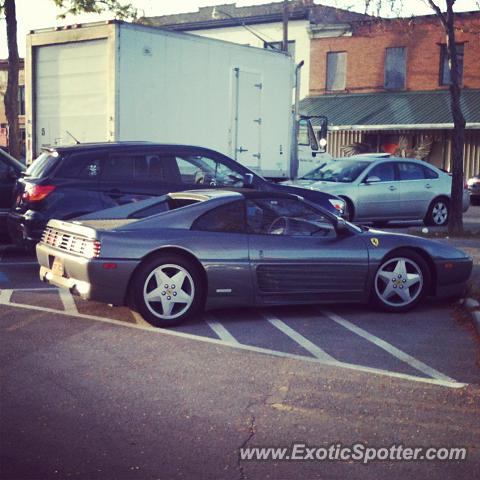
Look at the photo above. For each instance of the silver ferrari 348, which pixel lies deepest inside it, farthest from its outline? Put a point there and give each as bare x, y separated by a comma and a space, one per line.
172, 256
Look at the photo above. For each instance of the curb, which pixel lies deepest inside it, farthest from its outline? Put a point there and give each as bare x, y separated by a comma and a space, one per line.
471, 306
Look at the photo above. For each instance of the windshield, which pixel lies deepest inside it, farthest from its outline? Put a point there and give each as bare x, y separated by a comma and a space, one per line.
43, 165
337, 171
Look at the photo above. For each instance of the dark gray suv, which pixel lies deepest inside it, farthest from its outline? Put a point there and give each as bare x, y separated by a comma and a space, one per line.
67, 182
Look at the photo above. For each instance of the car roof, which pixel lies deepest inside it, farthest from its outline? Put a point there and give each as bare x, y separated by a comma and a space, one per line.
384, 158
118, 145
246, 193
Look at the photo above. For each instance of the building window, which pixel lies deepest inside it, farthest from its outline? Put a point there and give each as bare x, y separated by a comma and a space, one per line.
395, 68
279, 45
336, 70
444, 67
21, 99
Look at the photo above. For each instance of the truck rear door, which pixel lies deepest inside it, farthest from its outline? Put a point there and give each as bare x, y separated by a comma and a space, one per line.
71, 93
247, 119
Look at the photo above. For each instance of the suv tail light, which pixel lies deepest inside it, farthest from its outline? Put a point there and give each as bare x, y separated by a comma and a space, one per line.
35, 193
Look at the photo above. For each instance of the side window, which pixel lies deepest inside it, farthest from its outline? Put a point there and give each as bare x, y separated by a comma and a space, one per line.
284, 216
429, 173
118, 167
395, 68
411, 171
208, 172
385, 172
336, 70
228, 218
444, 64
153, 167
79, 166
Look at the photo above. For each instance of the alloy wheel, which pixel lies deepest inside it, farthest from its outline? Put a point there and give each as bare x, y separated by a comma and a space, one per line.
168, 291
399, 282
439, 213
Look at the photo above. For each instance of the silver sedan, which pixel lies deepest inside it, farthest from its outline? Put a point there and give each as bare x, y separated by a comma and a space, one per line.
380, 189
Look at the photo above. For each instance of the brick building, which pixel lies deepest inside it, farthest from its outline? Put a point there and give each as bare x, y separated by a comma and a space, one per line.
381, 80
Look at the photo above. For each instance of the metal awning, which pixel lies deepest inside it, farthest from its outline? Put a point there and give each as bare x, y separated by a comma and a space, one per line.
392, 110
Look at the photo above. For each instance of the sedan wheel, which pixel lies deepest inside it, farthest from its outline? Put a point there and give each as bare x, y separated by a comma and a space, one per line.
167, 290
400, 282
437, 213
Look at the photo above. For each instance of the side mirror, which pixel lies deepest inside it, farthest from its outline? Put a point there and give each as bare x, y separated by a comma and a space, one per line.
322, 134
341, 227
248, 179
372, 179
306, 134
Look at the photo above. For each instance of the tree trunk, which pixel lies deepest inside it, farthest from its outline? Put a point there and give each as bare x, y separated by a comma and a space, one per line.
455, 223
11, 95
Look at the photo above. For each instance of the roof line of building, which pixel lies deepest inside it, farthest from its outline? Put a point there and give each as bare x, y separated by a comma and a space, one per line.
419, 126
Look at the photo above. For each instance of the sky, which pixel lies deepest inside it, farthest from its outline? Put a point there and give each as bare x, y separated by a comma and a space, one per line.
35, 14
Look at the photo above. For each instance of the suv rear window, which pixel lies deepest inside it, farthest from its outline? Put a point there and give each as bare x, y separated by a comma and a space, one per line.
43, 165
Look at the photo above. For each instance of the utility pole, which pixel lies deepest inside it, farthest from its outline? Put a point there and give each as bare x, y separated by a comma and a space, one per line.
285, 26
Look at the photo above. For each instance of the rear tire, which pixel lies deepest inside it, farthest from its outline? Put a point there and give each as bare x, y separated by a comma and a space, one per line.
401, 281
438, 213
166, 290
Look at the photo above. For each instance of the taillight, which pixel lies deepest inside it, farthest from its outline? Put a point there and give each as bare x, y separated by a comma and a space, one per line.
35, 193
92, 249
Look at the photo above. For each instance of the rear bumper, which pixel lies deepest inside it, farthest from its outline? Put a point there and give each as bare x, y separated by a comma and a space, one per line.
86, 277
26, 229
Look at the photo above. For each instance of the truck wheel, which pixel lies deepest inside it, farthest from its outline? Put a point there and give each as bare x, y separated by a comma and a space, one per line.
167, 290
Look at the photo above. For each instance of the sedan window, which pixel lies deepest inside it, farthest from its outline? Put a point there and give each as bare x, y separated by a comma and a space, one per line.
429, 173
385, 172
282, 216
410, 171
344, 171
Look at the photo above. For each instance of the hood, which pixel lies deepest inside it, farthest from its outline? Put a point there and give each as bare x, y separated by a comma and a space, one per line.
435, 248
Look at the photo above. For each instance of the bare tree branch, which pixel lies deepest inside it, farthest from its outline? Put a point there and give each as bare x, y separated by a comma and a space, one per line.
438, 12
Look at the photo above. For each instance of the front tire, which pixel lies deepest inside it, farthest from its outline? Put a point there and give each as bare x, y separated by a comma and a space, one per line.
167, 290
438, 213
401, 281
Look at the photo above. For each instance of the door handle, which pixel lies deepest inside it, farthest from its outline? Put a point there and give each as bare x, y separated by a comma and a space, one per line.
428, 185
241, 150
392, 188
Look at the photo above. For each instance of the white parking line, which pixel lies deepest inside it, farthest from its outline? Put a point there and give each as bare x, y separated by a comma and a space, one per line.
220, 330
388, 347
305, 343
68, 302
348, 366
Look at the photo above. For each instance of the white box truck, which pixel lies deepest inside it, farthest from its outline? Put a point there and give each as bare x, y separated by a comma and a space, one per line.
115, 81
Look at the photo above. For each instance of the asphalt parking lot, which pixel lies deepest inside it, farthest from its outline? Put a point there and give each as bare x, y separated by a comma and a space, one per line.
427, 344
